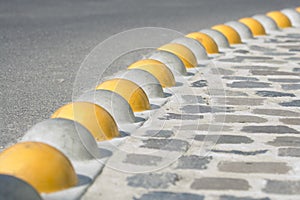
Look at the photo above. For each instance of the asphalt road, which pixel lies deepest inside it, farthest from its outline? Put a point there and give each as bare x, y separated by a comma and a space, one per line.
42, 44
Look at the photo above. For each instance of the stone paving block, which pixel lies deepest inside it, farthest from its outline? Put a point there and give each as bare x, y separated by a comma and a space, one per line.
241, 101
290, 87
240, 78
191, 99
243, 153
291, 121
294, 103
273, 73
254, 167
289, 152
193, 109
222, 92
286, 141
276, 112
285, 80
169, 116
205, 127
282, 187
152, 180
256, 67
269, 129
211, 183
166, 144
159, 133
224, 139
157, 195
274, 94
228, 197
200, 83
193, 162
142, 159
239, 119
248, 84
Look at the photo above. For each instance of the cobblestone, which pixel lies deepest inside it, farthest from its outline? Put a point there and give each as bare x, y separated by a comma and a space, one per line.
282, 187
254, 167
151, 180
225, 139
290, 152
269, 129
286, 141
169, 196
220, 184
193, 162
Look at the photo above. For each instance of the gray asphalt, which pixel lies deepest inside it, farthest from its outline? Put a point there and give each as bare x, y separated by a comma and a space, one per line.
42, 44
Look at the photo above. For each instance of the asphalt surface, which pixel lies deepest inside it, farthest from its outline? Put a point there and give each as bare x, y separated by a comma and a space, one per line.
44, 42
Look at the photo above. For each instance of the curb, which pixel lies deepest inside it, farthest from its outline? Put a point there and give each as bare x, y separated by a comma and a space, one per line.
69, 146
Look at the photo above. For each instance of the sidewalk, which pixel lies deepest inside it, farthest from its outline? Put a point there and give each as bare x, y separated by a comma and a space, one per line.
231, 132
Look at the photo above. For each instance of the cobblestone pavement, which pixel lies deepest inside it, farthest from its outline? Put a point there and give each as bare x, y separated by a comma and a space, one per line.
228, 131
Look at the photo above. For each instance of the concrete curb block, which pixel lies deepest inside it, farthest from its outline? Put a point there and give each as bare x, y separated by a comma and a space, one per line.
293, 15
170, 60
145, 80
268, 23
194, 46
112, 102
219, 38
242, 29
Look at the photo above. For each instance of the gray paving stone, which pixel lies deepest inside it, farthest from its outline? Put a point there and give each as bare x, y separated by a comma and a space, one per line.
291, 121
289, 152
284, 80
228, 197
166, 144
297, 69
276, 112
241, 101
142, 159
193, 162
248, 84
285, 141
243, 153
282, 187
242, 51
157, 195
254, 167
240, 78
239, 119
191, 99
291, 86
274, 94
294, 103
222, 92
273, 73
256, 67
205, 127
260, 48
159, 133
200, 83
153, 180
222, 71
224, 139
269, 129
278, 54
254, 57
293, 58
205, 109
170, 116
220, 184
